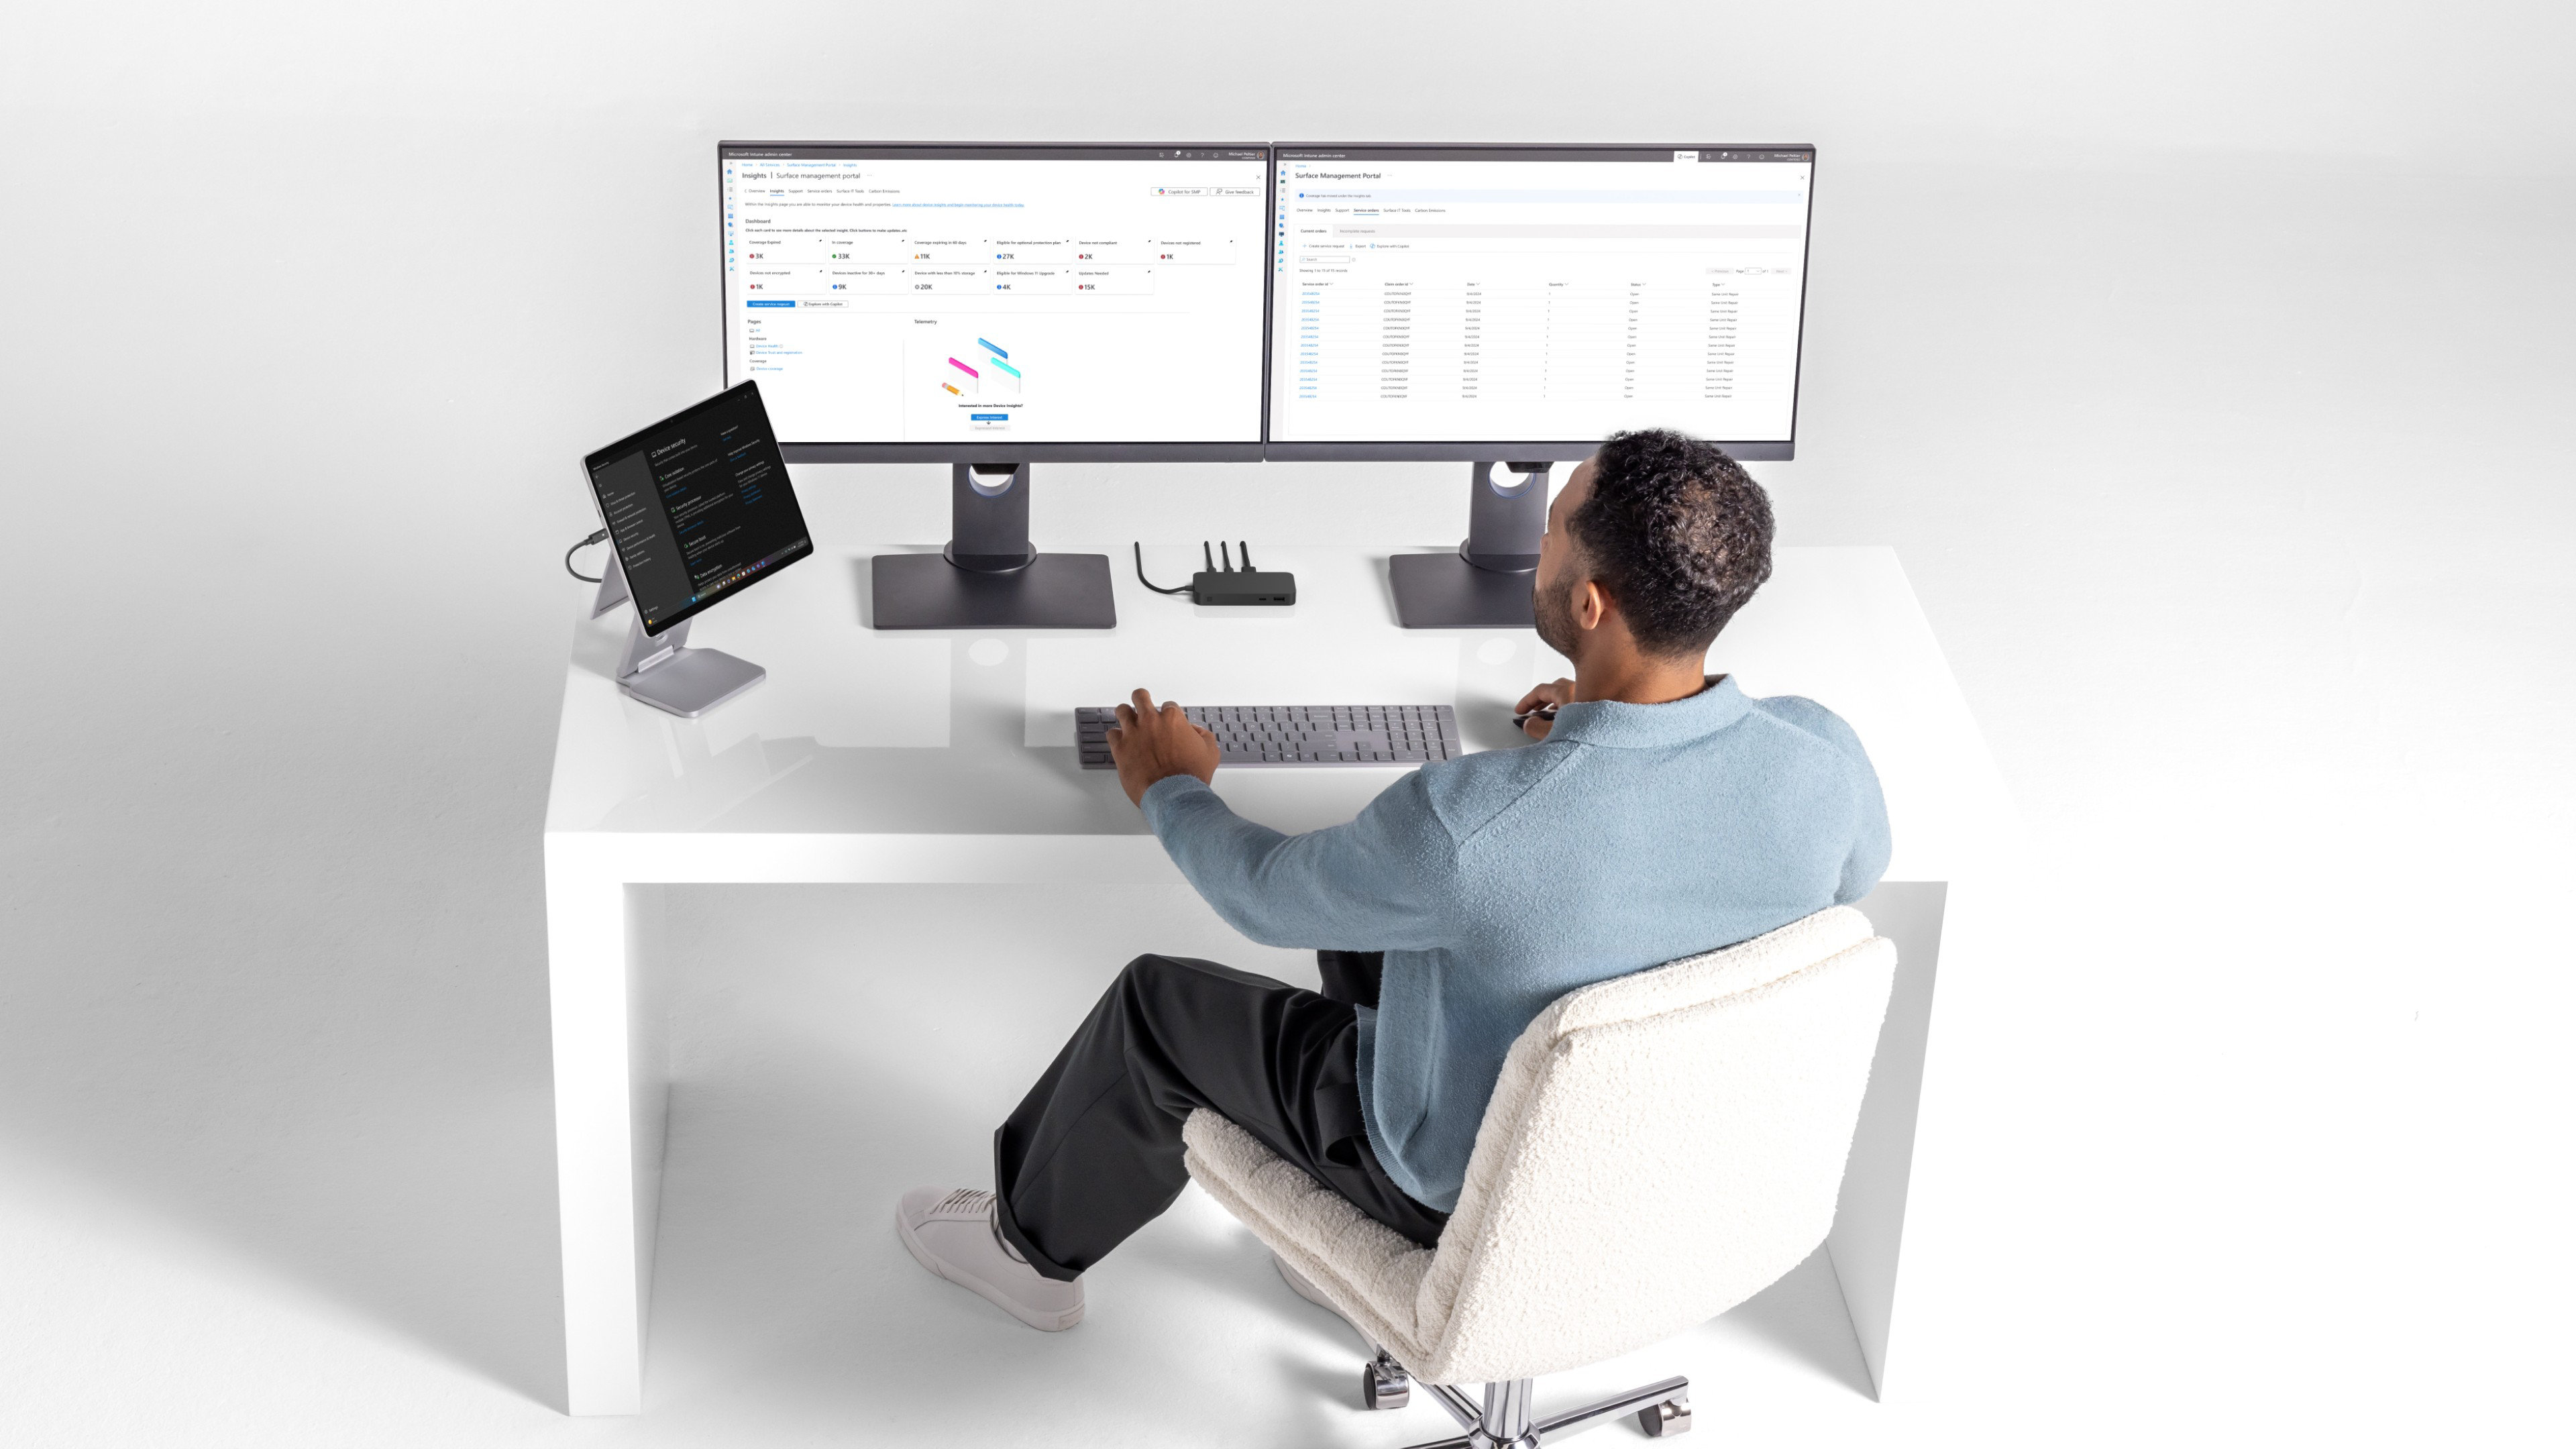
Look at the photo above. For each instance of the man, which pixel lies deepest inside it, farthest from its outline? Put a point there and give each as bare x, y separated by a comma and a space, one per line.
1660, 814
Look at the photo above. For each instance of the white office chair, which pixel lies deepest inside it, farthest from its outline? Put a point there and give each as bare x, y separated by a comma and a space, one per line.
1660, 1148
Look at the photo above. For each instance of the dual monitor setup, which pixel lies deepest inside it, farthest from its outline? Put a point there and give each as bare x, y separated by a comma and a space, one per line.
996, 306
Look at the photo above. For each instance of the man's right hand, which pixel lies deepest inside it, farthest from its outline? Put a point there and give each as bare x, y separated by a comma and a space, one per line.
1547, 695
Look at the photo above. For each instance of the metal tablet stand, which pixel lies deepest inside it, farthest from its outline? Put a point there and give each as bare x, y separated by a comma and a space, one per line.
1486, 583
660, 669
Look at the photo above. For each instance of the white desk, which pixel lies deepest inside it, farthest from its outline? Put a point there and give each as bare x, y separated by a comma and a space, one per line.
936, 758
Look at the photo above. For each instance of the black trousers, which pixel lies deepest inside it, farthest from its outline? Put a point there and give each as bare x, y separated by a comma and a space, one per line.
1094, 1151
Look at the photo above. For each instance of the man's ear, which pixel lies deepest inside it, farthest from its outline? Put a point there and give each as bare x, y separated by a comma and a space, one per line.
1591, 606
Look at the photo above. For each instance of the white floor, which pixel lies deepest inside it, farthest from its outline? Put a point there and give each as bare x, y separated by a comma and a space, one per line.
2239, 494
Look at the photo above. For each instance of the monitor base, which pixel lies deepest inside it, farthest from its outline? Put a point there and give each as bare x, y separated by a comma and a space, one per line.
1486, 583
671, 677
1055, 591
1444, 591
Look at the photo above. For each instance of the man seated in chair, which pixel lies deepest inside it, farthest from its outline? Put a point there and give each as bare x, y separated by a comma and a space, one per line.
1660, 814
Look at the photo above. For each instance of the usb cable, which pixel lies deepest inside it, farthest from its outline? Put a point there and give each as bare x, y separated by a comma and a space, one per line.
585, 543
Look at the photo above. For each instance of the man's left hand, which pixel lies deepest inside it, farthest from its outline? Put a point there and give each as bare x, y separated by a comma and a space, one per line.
1150, 744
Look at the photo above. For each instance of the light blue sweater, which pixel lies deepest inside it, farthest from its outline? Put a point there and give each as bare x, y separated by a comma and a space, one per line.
1498, 882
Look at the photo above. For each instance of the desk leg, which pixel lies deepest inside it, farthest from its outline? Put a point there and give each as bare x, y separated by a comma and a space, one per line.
611, 1095
1869, 1222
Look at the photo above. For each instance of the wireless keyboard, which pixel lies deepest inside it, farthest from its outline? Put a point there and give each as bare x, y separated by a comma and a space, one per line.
1295, 734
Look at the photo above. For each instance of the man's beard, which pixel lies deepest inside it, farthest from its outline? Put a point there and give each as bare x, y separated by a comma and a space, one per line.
1554, 612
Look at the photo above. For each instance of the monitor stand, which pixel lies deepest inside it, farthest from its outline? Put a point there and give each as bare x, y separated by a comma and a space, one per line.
990, 576
666, 674
1486, 583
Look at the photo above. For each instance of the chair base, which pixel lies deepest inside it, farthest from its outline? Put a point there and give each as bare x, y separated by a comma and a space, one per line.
1504, 1420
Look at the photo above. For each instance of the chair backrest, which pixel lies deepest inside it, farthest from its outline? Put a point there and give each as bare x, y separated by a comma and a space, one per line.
1659, 1148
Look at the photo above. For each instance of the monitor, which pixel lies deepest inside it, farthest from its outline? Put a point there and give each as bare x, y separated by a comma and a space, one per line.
999, 304
698, 508
991, 306
1524, 302
1516, 304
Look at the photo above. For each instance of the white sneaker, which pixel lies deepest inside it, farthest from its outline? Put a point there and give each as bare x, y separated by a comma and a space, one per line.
954, 1235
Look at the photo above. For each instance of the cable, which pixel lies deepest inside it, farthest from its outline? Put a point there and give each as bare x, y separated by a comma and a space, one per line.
578, 547
1149, 583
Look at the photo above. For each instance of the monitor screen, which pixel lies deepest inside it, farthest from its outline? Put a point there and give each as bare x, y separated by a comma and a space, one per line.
1455, 301
698, 506
982, 302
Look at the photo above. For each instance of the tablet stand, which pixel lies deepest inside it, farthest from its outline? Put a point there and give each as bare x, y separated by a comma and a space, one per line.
612, 586
660, 669
1486, 583
666, 674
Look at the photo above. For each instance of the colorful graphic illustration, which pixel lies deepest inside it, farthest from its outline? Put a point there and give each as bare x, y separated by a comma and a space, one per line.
990, 375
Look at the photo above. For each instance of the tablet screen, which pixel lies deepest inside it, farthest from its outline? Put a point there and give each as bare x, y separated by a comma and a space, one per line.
698, 506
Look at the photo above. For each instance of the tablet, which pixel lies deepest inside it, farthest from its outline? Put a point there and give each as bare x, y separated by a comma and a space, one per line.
698, 506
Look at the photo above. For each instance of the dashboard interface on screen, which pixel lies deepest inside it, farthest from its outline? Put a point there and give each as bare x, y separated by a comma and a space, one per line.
943, 294
698, 507
1464, 294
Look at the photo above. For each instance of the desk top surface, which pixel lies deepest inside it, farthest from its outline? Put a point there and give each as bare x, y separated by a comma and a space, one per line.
858, 732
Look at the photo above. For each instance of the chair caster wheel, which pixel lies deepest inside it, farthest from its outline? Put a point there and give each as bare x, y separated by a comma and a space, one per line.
1672, 1416
1384, 1386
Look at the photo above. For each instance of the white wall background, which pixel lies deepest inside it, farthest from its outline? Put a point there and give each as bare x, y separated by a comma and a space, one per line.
2208, 364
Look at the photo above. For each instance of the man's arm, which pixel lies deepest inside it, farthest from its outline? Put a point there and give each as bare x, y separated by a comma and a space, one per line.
1871, 844
1372, 885
1378, 883
1866, 858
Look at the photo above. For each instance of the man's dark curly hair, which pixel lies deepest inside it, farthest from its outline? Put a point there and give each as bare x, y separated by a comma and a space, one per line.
1677, 533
